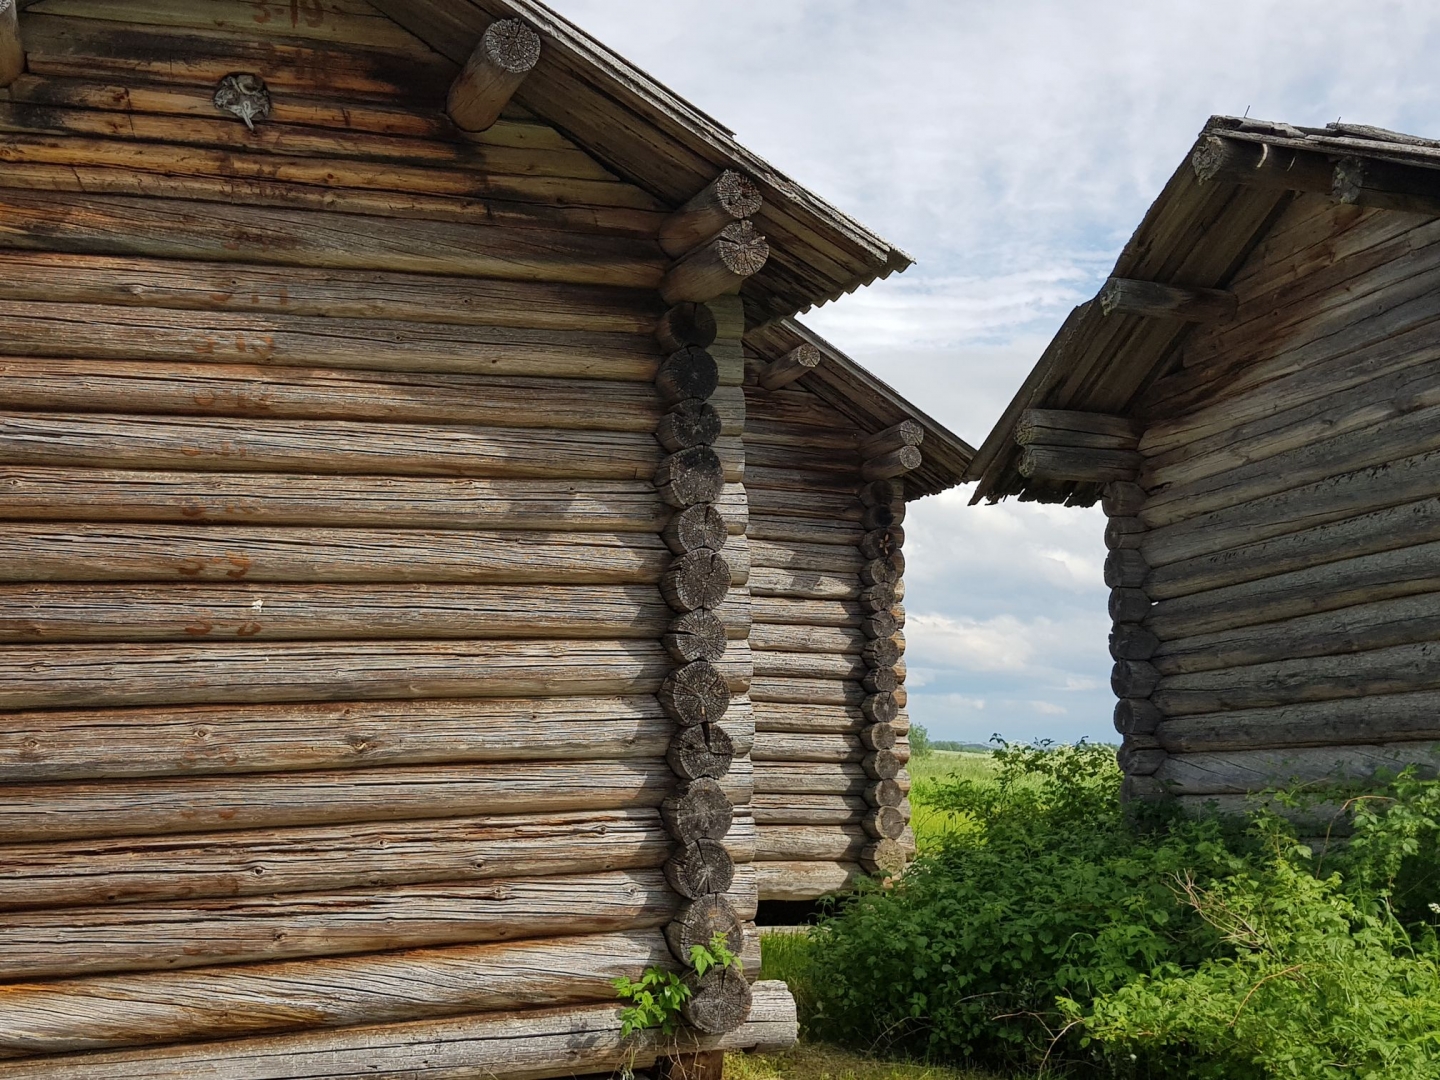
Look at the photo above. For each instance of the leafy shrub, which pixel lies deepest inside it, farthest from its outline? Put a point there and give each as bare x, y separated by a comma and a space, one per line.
658, 997
1062, 930
919, 741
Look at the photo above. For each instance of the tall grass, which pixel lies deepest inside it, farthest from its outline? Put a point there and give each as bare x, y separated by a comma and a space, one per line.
931, 823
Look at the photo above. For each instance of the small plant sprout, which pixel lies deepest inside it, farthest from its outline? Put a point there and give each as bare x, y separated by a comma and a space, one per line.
657, 999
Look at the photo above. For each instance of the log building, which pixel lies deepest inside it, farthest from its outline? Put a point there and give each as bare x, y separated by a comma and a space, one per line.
1252, 397
439, 574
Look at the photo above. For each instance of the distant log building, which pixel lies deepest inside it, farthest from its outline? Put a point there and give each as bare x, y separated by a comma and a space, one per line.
1254, 397
439, 576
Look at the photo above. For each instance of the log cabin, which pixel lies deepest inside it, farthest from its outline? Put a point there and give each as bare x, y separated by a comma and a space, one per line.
440, 575
1254, 399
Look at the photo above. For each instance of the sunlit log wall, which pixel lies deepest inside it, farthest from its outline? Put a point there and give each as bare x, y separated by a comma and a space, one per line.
1275, 564
827, 638
333, 606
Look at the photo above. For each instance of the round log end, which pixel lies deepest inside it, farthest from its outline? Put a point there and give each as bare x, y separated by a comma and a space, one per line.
886, 822
738, 194
699, 921
695, 694
511, 46
696, 635
881, 543
702, 751
882, 652
700, 868
882, 765
697, 810
686, 324
695, 527
875, 598
690, 372
742, 250
881, 680
880, 708
696, 581
690, 422
884, 793
1134, 716
878, 737
885, 856
690, 477
882, 624
719, 1001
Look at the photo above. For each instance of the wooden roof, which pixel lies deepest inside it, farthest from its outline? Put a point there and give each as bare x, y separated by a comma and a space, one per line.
1197, 234
654, 138
868, 402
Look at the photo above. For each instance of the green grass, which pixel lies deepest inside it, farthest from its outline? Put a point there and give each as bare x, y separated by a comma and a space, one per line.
930, 824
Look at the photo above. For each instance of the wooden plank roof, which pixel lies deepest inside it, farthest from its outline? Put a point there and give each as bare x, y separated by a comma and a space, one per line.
654, 138
1197, 234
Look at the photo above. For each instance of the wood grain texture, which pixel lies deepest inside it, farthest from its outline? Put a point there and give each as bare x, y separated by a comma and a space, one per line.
1243, 771
805, 880
525, 1045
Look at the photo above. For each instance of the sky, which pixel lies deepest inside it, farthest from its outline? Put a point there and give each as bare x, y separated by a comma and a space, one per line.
1011, 147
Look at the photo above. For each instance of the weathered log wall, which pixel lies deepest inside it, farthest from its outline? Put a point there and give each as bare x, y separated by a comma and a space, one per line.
826, 638
335, 611
1275, 590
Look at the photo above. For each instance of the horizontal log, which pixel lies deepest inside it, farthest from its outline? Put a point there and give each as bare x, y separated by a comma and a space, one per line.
810, 507
1124, 533
62, 494
96, 744
717, 268
810, 719
235, 390
811, 843
173, 229
827, 558
1059, 427
1158, 300
1405, 621
798, 665
1137, 716
791, 612
1396, 670
790, 368
1330, 586
788, 809
807, 746
378, 857
507, 52
1126, 569
108, 1012
793, 691
58, 277
1122, 499
1088, 465
1334, 499
1133, 679
1243, 771
61, 676
1131, 642
145, 937
768, 581
192, 613
1129, 605
1405, 526
729, 198
896, 463
1381, 719
528, 1045
781, 637
892, 439
807, 778
52, 812
184, 553
1260, 165
805, 880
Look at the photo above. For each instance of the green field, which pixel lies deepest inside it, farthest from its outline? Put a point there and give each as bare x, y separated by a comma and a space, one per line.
929, 823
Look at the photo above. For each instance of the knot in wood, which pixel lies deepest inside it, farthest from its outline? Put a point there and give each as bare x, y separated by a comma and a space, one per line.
244, 95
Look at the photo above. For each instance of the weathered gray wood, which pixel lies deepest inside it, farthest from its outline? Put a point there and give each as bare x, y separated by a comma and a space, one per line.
813, 720
884, 652
1413, 717
172, 805
720, 1001
886, 792
1131, 642
883, 516
199, 740
881, 822
884, 764
686, 324
896, 463
695, 635
697, 810
1137, 716
698, 921
1087, 464
108, 1012
47, 613
834, 747
811, 778
1395, 670
880, 597
376, 856
1241, 771
692, 476
1129, 605
1140, 760
906, 433
805, 880
882, 543
1122, 499
527, 1045
885, 857
691, 422
688, 373
696, 581
717, 268
1059, 427
69, 676
695, 528
698, 693
878, 737
882, 624
1157, 300
1124, 533
507, 53
881, 707
1404, 621
1126, 569
1386, 575
791, 367
785, 809
729, 198
699, 868
1133, 679
881, 680
702, 751
813, 843
1260, 165
798, 691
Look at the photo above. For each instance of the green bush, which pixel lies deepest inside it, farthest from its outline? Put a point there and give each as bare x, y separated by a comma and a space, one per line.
919, 741
1062, 930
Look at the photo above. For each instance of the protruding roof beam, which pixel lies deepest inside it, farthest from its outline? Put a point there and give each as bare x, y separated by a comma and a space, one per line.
12, 53
730, 198
906, 433
717, 268
1155, 300
795, 364
508, 51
